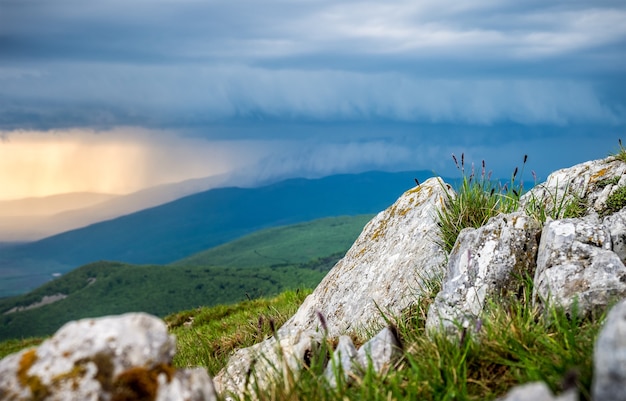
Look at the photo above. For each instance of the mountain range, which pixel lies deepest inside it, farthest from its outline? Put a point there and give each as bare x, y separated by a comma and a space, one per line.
31, 219
175, 230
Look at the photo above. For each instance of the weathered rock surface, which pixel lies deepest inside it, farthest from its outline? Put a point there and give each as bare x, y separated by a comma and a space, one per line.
593, 181
379, 353
262, 364
101, 359
484, 262
384, 270
342, 361
575, 262
616, 224
609, 378
537, 391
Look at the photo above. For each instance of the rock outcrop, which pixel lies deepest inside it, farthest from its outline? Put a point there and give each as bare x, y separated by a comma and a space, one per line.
386, 268
383, 273
484, 263
576, 266
594, 181
123, 357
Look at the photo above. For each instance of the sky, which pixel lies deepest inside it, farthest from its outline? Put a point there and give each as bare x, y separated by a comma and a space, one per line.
113, 96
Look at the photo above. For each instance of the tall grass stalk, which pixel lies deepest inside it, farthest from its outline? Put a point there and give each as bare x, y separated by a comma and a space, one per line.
477, 199
620, 154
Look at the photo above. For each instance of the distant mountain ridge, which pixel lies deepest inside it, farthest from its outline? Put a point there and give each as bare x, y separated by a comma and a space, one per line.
200, 221
36, 218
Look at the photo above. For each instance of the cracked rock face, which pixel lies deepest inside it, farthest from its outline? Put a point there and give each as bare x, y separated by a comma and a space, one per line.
576, 266
100, 359
484, 262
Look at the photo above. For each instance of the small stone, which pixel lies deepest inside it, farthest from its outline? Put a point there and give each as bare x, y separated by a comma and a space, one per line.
342, 361
609, 376
379, 352
537, 391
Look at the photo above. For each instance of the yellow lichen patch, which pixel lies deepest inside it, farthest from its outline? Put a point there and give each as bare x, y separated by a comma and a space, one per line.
75, 375
415, 190
27, 360
37, 389
382, 224
599, 174
139, 383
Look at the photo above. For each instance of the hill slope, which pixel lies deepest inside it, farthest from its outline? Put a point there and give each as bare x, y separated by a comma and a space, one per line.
170, 232
217, 276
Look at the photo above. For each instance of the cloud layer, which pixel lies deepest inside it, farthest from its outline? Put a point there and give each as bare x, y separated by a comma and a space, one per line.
183, 63
310, 87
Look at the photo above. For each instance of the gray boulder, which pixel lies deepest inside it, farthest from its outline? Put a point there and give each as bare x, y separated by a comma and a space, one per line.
484, 262
260, 366
380, 351
609, 376
384, 271
99, 359
575, 264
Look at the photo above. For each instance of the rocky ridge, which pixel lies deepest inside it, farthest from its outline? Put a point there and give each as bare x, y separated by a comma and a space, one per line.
575, 263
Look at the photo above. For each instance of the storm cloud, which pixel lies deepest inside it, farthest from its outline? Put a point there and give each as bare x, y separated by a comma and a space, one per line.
359, 85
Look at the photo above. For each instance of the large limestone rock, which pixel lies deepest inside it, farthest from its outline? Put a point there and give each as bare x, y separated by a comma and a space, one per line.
112, 358
609, 376
575, 264
384, 270
484, 262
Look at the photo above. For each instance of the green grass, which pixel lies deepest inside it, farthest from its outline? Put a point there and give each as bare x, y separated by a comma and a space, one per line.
208, 335
104, 288
514, 344
477, 199
567, 204
292, 244
620, 154
615, 202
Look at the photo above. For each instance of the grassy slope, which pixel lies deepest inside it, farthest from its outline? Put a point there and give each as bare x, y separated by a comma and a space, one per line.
298, 243
268, 266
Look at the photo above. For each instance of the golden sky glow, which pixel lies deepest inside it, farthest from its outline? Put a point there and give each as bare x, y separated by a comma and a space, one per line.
120, 161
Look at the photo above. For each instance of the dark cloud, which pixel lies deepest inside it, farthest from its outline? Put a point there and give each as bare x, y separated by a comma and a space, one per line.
430, 76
